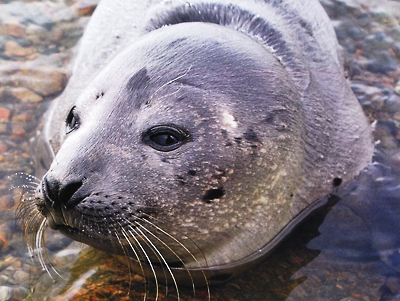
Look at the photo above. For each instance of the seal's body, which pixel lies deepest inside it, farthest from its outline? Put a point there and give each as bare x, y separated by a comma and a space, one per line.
193, 136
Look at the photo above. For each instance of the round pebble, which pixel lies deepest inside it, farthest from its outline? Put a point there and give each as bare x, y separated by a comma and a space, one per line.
20, 276
5, 293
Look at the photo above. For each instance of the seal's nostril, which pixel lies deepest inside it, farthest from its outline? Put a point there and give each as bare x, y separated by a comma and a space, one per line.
57, 193
67, 191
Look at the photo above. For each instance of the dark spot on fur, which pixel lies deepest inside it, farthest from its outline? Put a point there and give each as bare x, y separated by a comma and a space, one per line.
138, 81
192, 173
238, 140
281, 127
99, 95
137, 87
181, 180
307, 26
337, 182
224, 134
270, 118
212, 194
251, 136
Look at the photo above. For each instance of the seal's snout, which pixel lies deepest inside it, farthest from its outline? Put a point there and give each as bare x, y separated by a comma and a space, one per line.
58, 193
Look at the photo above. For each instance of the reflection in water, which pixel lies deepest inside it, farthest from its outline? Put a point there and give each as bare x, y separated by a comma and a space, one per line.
348, 251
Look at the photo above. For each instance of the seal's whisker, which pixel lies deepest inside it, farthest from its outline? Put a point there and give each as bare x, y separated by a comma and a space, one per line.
170, 94
33, 226
43, 256
124, 233
132, 233
159, 254
186, 249
125, 251
171, 81
25, 181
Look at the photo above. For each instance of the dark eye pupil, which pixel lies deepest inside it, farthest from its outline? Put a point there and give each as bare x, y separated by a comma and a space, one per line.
164, 139
72, 121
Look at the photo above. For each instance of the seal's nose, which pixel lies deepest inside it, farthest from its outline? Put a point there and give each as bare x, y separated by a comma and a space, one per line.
57, 193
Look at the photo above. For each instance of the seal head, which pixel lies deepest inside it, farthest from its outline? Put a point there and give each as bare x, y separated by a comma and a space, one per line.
198, 147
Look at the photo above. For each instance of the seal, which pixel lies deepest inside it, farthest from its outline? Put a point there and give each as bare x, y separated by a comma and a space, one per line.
194, 136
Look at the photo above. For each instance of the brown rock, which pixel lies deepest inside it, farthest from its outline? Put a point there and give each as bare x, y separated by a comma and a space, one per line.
85, 7
13, 29
43, 81
25, 95
21, 276
12, 48
4, 114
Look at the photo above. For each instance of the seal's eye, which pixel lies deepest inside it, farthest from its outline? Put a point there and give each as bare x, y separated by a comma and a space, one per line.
72, 121
165, 138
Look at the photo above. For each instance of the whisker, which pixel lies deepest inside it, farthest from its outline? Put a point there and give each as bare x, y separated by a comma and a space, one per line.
171, 81
186, 249
161, 256
43, 256
123, 231
148, 260
25, 181
124, 249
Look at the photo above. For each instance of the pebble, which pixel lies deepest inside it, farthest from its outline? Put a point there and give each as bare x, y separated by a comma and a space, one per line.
383, 63
21, 277
25, 95
5, 293
86, 7
19, 293
44, 81
40, 81
12, 48
13, 29
397, 88
4, 114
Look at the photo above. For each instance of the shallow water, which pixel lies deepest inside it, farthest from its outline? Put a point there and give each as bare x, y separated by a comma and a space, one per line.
349, 251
